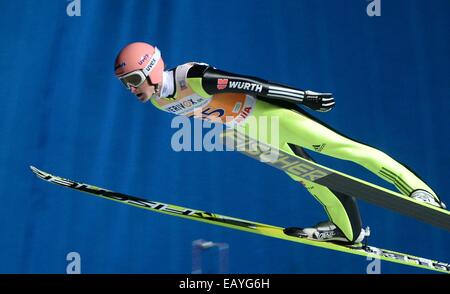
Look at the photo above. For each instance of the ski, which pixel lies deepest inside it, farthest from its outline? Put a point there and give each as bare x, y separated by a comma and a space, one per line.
243, 225
337, 181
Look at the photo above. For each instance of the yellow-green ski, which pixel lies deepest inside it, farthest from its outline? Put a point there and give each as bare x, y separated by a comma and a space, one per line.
336, 181
243, 225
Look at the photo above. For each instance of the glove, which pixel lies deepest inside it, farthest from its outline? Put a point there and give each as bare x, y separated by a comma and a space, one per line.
322, 102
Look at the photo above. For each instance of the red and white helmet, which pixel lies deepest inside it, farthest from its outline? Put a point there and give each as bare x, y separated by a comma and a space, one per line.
136, 61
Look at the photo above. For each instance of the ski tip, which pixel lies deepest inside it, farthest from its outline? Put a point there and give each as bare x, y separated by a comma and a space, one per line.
38, 172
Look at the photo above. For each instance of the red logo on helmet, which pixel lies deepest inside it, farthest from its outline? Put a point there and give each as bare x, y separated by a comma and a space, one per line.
222, 83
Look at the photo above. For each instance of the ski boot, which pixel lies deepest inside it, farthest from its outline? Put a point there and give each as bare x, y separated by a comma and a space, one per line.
424, 196
326, 231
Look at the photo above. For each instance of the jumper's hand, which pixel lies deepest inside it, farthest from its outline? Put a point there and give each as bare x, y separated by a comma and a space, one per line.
318, 101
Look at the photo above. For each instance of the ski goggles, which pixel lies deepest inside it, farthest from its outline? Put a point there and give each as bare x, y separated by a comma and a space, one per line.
137, 77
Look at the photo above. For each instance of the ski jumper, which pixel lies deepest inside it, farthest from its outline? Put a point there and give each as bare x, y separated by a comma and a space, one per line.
218, 94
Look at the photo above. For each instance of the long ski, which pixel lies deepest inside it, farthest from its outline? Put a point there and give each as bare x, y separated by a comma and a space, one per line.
335, 180
243, 225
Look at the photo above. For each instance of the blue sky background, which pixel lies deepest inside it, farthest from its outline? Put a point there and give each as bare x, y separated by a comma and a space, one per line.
63, 111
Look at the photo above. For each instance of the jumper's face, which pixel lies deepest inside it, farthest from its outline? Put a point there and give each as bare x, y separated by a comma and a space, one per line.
145, 91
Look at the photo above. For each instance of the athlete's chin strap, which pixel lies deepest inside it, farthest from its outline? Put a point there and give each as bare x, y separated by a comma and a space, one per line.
168, 86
